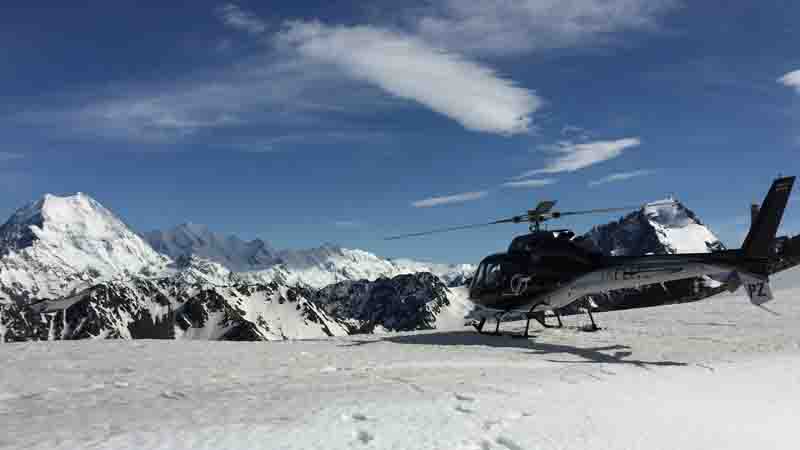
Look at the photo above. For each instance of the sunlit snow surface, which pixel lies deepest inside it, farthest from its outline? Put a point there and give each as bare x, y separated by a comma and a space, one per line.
710, 375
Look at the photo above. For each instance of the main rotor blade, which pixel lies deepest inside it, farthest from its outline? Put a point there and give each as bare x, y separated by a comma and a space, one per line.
462, 227
525, 218
604, 210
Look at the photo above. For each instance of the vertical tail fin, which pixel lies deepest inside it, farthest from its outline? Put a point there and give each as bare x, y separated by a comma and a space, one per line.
764, 227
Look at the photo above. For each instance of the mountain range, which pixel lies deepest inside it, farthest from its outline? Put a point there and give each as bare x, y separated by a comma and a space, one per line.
70, 269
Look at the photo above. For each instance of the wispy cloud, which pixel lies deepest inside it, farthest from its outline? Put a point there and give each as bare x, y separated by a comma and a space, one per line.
621, 176
282, 142
8, 156
572, 156
302, 68
516, 26
235, 17
448, 199
261, 96
348, 224
574, 132
530, 183
407, 67
792, 80
298, 79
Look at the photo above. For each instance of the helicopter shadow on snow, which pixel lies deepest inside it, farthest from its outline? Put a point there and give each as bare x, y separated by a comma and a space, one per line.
606, 354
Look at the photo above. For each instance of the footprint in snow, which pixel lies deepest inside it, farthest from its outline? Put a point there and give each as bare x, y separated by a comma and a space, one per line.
463, 410
516, 415
507, 443
173, 395
363, 436
358, 417
464, 398
488, 425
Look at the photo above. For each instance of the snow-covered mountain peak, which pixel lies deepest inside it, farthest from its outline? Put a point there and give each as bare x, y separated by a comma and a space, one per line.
669, 213
661, 227
57, 238
65, 221
190, 239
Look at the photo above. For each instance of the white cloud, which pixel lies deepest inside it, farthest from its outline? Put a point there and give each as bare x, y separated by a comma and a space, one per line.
574, 156
621, 176
792, 80
448, 199
233, 16
530, 183
515, 26
405, 66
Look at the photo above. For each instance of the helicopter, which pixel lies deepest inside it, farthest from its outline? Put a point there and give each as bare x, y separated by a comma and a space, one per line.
547, 270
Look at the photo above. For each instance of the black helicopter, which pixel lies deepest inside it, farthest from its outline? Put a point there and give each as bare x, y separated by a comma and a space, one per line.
547, 270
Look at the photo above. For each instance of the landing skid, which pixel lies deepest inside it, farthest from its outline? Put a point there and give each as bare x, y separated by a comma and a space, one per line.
593, 327
479, 326
540, 317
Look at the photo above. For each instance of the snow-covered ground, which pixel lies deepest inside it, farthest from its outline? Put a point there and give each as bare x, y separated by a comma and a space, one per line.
711, 375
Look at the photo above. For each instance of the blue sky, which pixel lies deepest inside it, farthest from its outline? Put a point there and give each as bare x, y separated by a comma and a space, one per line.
309, 122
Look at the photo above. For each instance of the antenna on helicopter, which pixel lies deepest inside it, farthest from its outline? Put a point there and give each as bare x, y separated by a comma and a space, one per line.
535, 217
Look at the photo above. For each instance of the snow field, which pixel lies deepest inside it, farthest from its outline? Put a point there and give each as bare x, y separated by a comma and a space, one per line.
715, 374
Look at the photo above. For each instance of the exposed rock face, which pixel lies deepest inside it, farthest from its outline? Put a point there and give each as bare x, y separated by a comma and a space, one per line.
405, 302
169, 309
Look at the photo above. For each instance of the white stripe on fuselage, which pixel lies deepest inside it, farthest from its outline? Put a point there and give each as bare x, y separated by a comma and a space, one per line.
621, 277
631, 275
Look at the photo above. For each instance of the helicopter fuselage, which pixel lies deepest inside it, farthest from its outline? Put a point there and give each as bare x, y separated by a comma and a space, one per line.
535, 263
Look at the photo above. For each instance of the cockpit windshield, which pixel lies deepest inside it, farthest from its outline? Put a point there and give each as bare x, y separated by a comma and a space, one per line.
494, 274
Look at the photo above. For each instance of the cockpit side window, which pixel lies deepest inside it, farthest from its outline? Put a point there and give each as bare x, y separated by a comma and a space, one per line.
493, 275
477, 280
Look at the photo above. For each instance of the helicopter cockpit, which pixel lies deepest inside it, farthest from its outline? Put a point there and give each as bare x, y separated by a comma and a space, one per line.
494, 274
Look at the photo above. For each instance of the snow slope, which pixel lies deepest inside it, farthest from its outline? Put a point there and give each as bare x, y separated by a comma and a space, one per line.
709, 375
